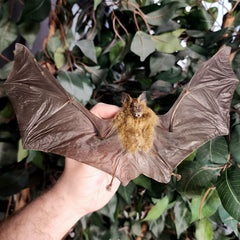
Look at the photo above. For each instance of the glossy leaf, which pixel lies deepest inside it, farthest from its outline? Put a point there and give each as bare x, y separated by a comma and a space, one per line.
182, 217
204, 230
228, 220
235, 143
228, 187
22, 153
209, 207
195, 177
157, 209
142, 45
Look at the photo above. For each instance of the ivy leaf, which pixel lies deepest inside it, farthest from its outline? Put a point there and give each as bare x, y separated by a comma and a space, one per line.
29, 32
77, 84
228, 187
204, 230
53, 44
88, 49
142, 45
8, 29
168, 42
161, 62
22, 153
59, 57
5, 70
157, 210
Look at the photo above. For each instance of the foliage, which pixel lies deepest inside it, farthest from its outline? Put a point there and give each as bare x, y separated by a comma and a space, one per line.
98, 49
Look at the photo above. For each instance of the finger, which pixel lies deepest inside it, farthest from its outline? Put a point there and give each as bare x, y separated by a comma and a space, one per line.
105, 111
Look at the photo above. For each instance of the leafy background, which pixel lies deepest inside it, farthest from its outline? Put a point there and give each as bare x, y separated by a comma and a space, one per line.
99, 49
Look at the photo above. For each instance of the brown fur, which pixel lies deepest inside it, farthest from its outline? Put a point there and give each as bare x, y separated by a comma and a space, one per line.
135, 133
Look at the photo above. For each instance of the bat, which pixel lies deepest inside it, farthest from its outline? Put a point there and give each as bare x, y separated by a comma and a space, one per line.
136, 141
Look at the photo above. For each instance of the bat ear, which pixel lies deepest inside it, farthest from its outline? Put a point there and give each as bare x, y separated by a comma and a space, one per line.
142, 97
126, 98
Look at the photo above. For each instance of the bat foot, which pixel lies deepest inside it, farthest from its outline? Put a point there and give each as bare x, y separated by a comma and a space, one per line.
178, 176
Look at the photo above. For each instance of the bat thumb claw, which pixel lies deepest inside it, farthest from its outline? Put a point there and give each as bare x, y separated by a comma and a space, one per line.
178, 176
109, 187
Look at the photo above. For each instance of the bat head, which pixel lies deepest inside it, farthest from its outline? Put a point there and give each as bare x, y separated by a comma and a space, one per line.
135, 105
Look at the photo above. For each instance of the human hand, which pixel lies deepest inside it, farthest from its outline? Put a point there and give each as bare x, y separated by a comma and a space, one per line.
84, 185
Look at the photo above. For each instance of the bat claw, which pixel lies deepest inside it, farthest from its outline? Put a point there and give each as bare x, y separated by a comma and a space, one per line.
109, 187
178, 176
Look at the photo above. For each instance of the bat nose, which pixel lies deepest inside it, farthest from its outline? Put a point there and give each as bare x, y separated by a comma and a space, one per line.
137, 115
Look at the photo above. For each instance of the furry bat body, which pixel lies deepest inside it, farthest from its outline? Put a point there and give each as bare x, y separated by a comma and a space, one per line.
51, 120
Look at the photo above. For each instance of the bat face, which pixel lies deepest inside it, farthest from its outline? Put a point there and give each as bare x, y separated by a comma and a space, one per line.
135, 125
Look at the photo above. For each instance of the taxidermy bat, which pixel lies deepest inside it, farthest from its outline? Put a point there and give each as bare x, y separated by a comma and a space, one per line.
136, 141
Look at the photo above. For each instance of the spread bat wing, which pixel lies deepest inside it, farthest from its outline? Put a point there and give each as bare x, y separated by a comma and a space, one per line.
51, 120
201, 112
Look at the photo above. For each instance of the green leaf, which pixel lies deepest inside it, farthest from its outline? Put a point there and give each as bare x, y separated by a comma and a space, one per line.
195, 177
53, 44
5, 70
204, 230
182, 217
143, 181
218, 149
142, 45
157, 210
169, 42
209, 207
8, 154
191, 157
96, 3
22, 153
36, 157
235, 143
88, 49
29, 32
35, 10
228, 187
161, 62
116, 52
228, 220
200, 19
127, 191
164, 14
109, 209
6, 113
59, 57
8, 29
77, 84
